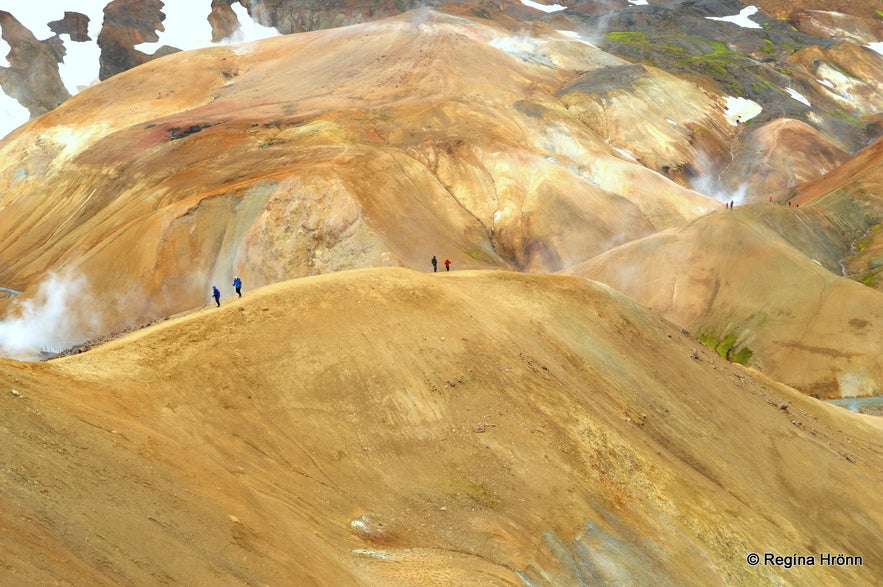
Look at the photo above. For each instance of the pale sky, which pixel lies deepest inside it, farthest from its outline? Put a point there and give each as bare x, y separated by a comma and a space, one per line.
186, 27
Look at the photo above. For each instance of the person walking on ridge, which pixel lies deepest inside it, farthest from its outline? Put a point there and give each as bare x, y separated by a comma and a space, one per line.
434, 264
447, 264
216, 293
237, 283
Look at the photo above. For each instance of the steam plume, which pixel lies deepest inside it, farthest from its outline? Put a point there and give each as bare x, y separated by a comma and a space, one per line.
49, 321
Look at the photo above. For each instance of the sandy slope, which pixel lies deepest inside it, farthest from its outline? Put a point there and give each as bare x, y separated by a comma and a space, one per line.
772, 275
388, 427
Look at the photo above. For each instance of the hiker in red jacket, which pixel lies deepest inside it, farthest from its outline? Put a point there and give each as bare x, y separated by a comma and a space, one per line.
447, 264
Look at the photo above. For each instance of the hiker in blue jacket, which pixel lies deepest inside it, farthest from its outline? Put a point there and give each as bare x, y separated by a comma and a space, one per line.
216, 293
237, 283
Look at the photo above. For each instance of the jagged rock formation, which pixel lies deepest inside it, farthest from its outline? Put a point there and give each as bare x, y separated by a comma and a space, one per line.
223, 20
74, 24
32, 76
297, 16
128, 23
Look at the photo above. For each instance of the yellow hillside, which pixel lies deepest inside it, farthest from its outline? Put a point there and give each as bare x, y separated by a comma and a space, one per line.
383, 427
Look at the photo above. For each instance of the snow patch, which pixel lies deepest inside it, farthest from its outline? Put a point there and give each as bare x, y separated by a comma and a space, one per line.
797, 96
876, 46
627, 154
740, 19
544, 7
638, 2
837, 81
576, 37
741, 109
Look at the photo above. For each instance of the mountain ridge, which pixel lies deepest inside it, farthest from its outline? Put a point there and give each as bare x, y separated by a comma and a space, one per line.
378, 158
533, 416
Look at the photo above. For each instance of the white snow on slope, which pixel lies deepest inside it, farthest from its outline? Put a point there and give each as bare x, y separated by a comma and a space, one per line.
576, 37
797, 96
740, 19
741, 109
544, 7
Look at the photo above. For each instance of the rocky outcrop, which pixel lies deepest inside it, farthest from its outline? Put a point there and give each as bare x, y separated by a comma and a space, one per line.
223, 20
128, 23
74, 24
32, 77
293, 16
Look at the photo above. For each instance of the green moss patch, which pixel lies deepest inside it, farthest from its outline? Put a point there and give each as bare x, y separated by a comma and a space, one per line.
726, 348
628, 37
871, 278
862, 243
